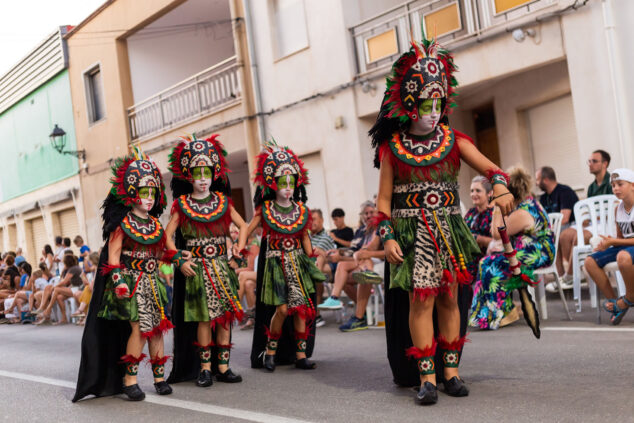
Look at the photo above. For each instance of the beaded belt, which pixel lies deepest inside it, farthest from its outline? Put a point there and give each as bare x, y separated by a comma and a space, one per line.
145, 265
208, 248
425, 195
284, 244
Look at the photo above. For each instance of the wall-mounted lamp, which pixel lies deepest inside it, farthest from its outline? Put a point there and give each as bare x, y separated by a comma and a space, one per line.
58, 141
520, 34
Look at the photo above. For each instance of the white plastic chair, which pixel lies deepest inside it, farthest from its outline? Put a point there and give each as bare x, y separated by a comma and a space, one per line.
540, 297
599, 211
373, 308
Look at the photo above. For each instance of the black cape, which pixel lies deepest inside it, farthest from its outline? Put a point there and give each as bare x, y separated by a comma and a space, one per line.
185, 362
404, 369
102, 346
263, 313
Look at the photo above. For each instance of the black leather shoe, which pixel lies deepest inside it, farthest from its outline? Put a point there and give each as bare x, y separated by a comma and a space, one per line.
269, 362
305, 364
162, 388
134, 392
456, 387
427, 395
228, 377
204, 379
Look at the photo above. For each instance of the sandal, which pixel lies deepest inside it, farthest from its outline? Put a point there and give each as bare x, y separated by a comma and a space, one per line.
605, 305
618, 313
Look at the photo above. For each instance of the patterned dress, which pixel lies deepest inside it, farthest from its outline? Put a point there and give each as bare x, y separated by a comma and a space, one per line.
143, 243
289, 274
210, 295
535, 248
426, 218
479, 224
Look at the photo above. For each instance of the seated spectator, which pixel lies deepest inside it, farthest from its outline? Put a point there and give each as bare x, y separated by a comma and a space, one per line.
247, 276
557, 198
14, 304
342, 234
47, 257
19, 258
10, 279
598, 166
57, 268
529, 230
84, 251
478, 218
322, 245
83, 297
41, 278
619, 249
73, 279
363, 250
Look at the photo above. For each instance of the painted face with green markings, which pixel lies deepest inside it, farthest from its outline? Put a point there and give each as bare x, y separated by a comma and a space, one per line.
201, 180
146, 200
285, 187
430, 113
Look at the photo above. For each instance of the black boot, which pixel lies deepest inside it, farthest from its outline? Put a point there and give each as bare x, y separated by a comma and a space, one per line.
269, 362
228, 377
456, 387
427, 394
162, 388
134, 392
204, 379
305, 364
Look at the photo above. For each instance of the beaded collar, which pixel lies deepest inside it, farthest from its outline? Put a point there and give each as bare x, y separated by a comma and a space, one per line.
425, 153
144, 231
288, 221
206, 210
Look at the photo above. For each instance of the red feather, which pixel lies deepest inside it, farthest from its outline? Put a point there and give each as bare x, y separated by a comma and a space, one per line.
417, 353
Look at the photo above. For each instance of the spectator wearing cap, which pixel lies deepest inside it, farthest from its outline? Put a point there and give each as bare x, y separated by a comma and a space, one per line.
342, 234
619, 249
557, 198
598, 166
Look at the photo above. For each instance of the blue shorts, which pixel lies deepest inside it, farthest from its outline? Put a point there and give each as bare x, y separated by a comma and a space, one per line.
609, 255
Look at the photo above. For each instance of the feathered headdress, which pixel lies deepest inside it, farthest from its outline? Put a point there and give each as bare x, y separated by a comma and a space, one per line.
424, 72
191, 152
132, 172
275, 161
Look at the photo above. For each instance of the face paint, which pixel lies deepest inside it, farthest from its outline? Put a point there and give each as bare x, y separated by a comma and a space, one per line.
146, 199
430, 113
201, 180
285, 187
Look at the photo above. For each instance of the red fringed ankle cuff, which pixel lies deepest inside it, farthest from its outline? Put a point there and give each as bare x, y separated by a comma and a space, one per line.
272, 335
197, 345
128, 358
456, 345
416, 353
159, 360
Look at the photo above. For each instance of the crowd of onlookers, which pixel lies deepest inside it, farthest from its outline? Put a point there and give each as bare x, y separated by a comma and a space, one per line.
353, 260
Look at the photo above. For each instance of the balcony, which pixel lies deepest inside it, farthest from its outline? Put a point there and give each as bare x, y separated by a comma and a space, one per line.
381, 39
214, 89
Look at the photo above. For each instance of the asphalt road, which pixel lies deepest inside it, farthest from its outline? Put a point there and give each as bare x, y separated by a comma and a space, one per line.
577, 372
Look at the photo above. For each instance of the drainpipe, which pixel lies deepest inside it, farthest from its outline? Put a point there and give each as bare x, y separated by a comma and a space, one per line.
255, 77
621, 113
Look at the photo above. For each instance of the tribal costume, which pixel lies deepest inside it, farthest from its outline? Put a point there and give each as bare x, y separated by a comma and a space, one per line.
203, 227
129, 291
285, 274
425, 217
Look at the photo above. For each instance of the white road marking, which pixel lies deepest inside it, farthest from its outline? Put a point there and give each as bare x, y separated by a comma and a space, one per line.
170, 402
587, 329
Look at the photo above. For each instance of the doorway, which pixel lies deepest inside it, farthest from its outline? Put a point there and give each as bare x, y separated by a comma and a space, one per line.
486, 136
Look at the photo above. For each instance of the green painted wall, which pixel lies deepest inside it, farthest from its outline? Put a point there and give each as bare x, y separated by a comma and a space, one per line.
28, 160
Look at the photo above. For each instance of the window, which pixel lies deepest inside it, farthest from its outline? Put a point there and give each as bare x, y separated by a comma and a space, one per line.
505, 5
381, 45
94, 95
442, 21
289, 26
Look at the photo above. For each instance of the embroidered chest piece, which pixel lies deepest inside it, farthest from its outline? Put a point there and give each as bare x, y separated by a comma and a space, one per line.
423, 153
145, 231
288, 221
207, 210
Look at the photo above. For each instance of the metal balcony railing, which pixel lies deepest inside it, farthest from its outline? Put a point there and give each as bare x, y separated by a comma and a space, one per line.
207, 92
476, 18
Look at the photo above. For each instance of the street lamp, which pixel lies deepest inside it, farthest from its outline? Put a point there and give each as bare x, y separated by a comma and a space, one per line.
58, 141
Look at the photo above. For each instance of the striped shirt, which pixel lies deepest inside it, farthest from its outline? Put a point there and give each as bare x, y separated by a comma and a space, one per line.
322, 240
625, 221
